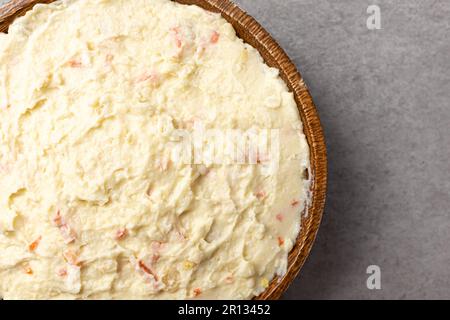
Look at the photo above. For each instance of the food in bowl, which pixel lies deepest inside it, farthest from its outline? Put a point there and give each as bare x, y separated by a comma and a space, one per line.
146, 152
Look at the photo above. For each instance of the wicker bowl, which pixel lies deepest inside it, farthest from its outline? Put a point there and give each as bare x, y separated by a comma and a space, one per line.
252, 33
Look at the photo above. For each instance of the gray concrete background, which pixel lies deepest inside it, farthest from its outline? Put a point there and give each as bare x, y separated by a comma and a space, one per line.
383, 97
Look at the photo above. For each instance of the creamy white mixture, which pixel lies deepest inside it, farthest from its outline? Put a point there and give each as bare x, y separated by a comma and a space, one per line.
91, 205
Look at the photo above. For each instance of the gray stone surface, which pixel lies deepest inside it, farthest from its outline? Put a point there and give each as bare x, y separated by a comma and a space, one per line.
383, 97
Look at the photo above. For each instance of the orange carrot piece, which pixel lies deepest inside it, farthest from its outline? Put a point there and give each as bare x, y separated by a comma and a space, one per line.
121, 234
75, 63
260, 195
197, 292
33, 246
215, 37
147, 270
